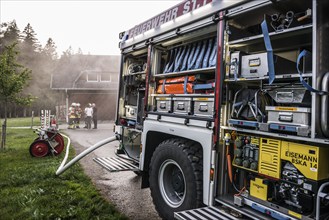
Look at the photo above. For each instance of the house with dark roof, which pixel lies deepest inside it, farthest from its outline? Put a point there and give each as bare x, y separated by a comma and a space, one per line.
87, 79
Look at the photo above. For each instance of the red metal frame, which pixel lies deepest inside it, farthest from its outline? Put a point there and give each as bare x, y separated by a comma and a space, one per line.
147, 74
220, 41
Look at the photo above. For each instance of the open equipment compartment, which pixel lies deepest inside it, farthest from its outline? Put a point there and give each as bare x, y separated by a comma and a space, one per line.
131, 101
132, 89
273, 158
254, 88
184, 75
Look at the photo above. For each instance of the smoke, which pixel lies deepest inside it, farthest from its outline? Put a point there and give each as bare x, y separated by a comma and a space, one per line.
89, 79
81, 78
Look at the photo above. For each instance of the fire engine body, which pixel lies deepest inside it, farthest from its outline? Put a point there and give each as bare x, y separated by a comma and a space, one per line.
223, 109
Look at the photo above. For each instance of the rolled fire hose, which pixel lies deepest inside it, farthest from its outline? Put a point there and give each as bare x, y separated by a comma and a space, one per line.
65, 166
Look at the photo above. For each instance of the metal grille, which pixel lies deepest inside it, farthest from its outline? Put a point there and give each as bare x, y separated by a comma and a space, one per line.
269, 161
206, 213
116, 164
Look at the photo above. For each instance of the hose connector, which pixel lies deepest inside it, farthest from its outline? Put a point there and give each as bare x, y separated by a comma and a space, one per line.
227, 138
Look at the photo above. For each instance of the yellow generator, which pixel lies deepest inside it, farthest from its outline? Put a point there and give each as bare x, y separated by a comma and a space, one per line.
281, 173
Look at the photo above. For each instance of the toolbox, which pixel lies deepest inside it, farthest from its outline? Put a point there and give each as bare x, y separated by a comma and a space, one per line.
203, 106
256, 65
131, 112
298, 116
291, 95
182, 105
164, 104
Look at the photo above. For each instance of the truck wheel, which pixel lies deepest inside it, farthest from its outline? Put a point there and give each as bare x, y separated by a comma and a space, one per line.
176, 176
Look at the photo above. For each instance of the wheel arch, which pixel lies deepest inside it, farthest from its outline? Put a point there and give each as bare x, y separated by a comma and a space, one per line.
153, 139
156, 132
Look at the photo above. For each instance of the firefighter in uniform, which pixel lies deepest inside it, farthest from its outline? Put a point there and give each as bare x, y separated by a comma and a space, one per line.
72, 116
78, 112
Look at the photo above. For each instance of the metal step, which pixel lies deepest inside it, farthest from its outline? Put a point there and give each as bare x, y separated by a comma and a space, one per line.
116, 164
205, 213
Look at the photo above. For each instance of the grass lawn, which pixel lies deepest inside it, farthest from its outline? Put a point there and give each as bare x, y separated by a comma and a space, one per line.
22, 122
29, 188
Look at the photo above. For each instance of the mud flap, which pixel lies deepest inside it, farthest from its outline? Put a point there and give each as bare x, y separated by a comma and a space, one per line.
116, 164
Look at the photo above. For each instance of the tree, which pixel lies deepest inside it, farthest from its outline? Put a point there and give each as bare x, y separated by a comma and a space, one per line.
30, 42
13, 79
9, 34
32, 57
66, 57
68, 53
79, 51
50, 49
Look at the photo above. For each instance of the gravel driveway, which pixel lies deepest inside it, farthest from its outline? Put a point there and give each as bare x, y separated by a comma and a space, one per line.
123, 189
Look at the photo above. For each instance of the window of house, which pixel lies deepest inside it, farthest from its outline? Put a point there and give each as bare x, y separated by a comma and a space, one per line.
92, 77
105, 77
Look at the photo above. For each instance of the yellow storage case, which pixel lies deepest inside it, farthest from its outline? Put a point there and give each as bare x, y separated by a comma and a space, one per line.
258, 189
269, 157
311, 161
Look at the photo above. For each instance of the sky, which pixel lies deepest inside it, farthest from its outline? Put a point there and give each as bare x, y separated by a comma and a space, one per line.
93, 26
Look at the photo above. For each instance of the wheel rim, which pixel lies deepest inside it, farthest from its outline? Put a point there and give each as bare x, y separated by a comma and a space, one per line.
39, 149
172, 183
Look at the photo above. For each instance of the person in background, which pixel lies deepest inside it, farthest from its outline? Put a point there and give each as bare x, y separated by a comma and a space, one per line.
78, 112
89, 115
72, 116
94, 115
85, 116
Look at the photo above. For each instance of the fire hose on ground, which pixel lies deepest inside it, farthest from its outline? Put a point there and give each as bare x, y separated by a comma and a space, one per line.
63, 167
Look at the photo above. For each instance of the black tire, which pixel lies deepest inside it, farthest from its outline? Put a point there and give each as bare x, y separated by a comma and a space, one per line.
176, 177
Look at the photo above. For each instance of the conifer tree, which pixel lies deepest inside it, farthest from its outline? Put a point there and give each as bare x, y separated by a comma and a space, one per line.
49, 49
9, 34
30, 42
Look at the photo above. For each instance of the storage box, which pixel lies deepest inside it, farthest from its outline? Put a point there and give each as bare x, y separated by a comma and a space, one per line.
182, 105
203, 106
256, 65
291, 95
164, 104
131, 112
258, 189
289, 115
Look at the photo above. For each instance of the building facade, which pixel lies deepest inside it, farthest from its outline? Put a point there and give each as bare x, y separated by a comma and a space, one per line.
87, 79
